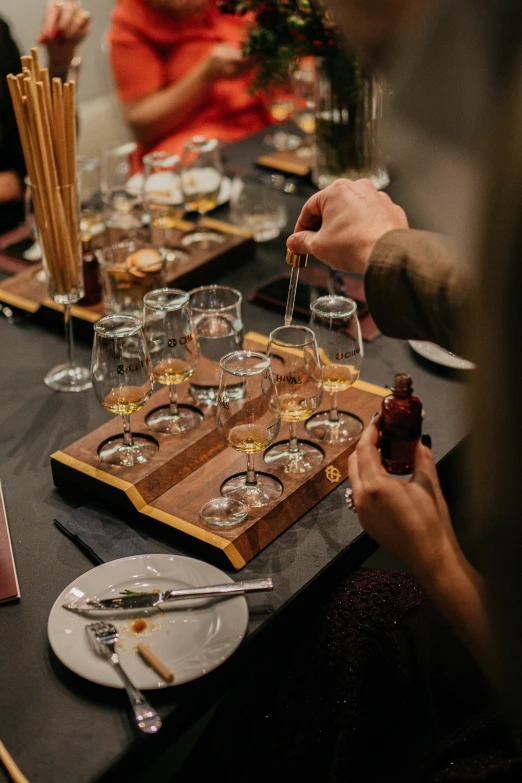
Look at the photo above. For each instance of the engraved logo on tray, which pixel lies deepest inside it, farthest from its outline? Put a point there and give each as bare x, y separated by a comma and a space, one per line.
333, 474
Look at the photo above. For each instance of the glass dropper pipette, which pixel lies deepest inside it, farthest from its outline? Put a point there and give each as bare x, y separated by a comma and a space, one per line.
296, 261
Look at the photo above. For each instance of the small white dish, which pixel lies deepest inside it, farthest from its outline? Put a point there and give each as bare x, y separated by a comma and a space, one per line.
434, 353
160, 181
191, 638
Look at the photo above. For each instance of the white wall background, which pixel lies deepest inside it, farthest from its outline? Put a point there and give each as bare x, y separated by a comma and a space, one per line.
25, 18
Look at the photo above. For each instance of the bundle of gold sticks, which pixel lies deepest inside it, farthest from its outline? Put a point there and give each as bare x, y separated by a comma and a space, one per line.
46, 119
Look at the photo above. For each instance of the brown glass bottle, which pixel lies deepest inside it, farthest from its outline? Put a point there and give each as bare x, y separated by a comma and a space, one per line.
401, 424
91, 274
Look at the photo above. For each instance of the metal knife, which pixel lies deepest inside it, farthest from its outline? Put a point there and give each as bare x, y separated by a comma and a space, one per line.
151, 600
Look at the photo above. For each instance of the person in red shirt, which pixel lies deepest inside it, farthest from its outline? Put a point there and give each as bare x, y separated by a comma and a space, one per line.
179, 71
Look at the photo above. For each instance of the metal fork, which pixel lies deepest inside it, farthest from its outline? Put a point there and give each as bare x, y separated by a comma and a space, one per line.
103, 638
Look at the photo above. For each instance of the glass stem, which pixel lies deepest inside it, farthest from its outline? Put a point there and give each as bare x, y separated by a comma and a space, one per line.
293, 448
127, 434
67, 322
334, 413
251, 478
173, 401
204, 244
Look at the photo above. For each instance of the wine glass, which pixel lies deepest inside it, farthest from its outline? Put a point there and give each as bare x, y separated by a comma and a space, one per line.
217, 311
122, 382
249, 423
59, 240
303, 80
281, 105
92, 220
294, 357
121, 193
201, 177
336, 326
162, 196
173, 348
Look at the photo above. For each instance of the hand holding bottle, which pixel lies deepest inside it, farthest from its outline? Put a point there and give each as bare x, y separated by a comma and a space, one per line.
410, 519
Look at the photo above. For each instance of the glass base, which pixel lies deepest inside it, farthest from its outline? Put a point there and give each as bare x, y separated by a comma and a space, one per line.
223, 512
347, 428
378, 177
307, 458
65, 378
306, 152
160, 420
202, 238
265, 491
141, 451
283, 141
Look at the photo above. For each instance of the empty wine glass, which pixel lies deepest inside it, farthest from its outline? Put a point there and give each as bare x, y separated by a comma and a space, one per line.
162, 196
303, 80
201, 177
122, 194
249, 424
336, 326
92, 221
297, 373
122, 382
173, 348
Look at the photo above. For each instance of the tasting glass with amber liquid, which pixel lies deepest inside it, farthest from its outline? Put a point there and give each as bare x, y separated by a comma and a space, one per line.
122, 382
336, 327
249, 423
174, 353
162, 196
296, 367
201, 179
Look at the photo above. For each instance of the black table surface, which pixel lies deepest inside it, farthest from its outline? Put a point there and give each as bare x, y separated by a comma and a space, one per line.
58, 727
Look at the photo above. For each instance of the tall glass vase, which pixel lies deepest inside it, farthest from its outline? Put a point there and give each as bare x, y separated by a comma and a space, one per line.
348, 110
58, 229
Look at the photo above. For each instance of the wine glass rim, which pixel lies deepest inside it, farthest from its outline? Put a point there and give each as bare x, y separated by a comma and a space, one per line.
304, 329
350, 306
183, 299
128, 148
201, 144
134, 325
161, 159
201, 288
247, 355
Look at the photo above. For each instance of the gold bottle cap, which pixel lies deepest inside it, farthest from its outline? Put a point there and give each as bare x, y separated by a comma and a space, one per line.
296, 259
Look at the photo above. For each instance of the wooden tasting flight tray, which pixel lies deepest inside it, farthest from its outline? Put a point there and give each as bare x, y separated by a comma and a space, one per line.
26, 292
189, 469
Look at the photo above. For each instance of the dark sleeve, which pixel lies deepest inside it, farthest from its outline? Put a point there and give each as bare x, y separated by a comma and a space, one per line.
11, 156
418, 288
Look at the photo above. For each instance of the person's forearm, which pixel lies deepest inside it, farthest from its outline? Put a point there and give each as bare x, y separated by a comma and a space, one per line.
457, 590
418, 288
157, 114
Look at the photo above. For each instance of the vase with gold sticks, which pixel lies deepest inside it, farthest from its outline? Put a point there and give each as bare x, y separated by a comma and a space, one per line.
46, 119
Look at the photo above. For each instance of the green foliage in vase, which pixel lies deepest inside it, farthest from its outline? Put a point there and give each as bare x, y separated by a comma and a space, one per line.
282, 32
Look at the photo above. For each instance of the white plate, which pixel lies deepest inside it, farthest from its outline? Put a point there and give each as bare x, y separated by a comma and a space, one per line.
439, 355
160, 181
191, 638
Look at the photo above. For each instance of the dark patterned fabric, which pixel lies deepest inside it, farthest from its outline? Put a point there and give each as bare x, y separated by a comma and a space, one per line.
373, 687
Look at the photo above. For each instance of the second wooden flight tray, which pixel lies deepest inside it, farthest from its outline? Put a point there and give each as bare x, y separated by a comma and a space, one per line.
27, 291
189, 469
